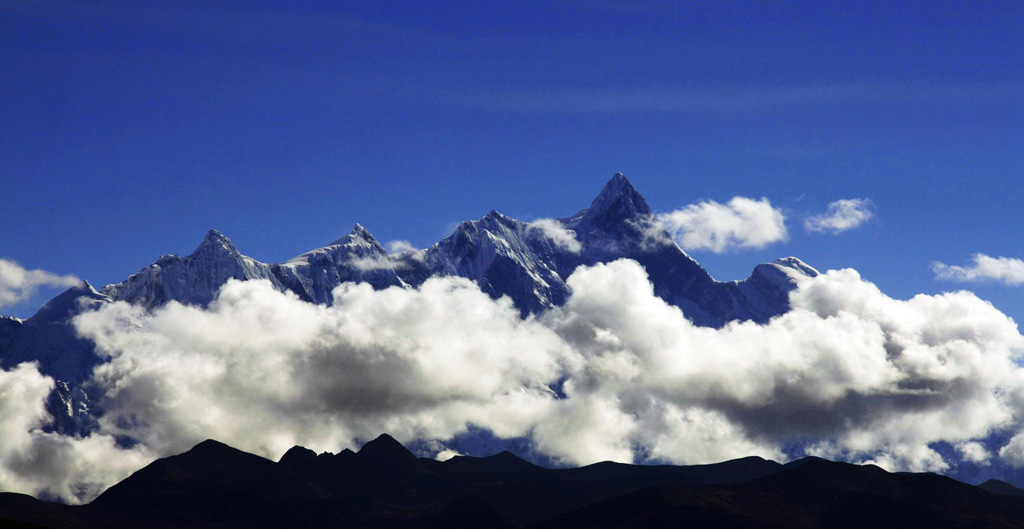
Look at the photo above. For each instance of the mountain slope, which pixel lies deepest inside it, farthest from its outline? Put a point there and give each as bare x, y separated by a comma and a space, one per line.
356, 257
49, 338
193, 280
509, 257
528, 262
504, 256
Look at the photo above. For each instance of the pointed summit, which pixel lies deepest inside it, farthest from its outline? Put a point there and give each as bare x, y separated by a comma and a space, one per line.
619, 181
360, 231
494, 218
618, 194
215, 243
617, 203
358, 234
385, 449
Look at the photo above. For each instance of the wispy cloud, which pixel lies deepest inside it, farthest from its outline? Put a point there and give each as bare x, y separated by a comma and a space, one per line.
370, 263
1006, 270
554, 231
740, 223
18, 284
400, 247
841, 215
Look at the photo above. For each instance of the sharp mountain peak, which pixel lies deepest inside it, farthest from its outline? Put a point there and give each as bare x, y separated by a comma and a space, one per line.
215, 242
358, 232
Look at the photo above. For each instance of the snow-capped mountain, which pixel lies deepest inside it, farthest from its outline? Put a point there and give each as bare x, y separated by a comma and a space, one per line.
193, 280
48, 337
505, 256
356, 257
528, 262
509, 257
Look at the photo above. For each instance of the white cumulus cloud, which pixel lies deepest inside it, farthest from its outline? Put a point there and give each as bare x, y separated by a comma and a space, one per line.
1007, 270
18, 284
974, 452
614, 374
50, 465
740, 223
263, 371
869, 377
841, 215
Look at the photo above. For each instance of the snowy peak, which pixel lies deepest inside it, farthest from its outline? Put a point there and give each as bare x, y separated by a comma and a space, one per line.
798, 265
193, 280
527, 262
784, 273
356, 257
358, 235
215, 243
618, 201
496, 216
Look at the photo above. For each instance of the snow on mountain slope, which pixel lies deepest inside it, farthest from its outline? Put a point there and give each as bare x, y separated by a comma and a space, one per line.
509, 257
620, 224
528, 262
192, 280
356, 257
49, 338
503, 255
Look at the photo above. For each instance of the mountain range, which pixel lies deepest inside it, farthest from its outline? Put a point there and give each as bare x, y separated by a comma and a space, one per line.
528, 262
384, 485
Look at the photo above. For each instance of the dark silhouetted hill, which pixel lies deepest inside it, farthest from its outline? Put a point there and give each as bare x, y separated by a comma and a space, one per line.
383, 485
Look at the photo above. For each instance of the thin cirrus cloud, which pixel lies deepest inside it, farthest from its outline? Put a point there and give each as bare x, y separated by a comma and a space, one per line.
18, 283
1006, 270
841, 215
739, 223
614, 374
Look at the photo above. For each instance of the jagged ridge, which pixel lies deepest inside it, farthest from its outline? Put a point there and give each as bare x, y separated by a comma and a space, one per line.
504, 256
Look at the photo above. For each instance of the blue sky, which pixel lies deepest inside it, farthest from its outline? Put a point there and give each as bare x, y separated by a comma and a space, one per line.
131, 129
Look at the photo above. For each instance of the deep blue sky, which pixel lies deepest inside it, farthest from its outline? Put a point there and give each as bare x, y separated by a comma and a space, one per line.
131, 128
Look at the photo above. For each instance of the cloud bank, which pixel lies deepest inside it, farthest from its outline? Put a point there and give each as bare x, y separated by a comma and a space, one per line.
841, 215
740, 223
1006, 270
18, 284
614, 374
